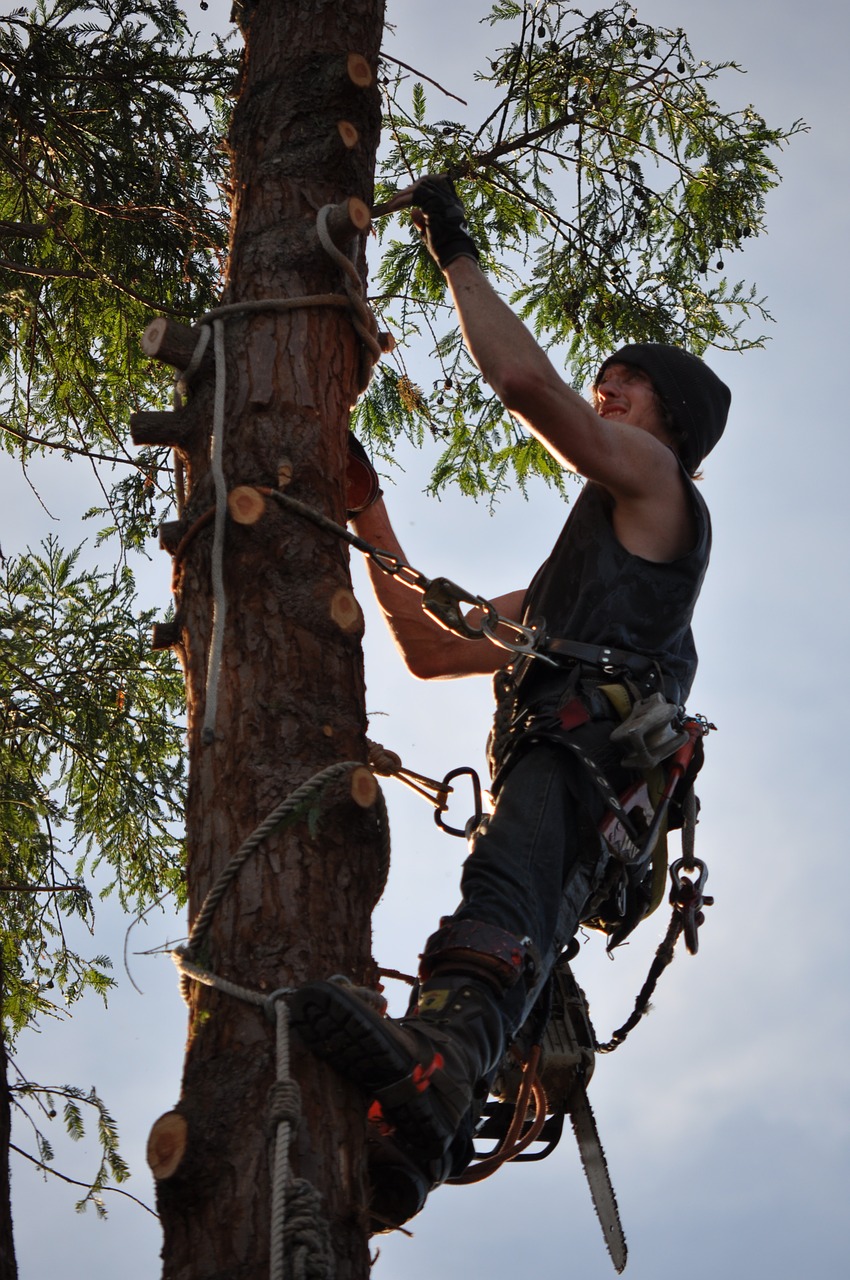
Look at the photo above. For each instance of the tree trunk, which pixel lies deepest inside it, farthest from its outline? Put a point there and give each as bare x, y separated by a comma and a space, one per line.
8, 1265
291, 694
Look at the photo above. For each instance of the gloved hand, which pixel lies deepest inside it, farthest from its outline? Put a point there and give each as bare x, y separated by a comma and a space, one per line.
361, 479
441, 221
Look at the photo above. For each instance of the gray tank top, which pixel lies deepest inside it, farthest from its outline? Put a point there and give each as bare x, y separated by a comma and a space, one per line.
593, 590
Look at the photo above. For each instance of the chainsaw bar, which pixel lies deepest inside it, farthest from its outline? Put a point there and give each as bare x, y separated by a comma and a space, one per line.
566, 1065
598, 1179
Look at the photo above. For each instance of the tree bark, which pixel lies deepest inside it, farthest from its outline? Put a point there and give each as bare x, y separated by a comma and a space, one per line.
291, 694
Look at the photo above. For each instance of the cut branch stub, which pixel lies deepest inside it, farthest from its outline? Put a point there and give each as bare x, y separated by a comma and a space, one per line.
172, 343
359, 71
156, 428
167, 1144
164, 635
245, 504
345, 610
171, 534
349, 217
364, 787
348, 132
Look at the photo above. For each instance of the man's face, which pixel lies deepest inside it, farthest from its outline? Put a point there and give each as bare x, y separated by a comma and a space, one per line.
626, 394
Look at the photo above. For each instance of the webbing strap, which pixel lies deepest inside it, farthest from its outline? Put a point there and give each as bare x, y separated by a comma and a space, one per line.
620, 699
599, 655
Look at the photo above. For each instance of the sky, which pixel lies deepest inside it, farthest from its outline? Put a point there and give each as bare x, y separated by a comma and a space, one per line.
726, 1116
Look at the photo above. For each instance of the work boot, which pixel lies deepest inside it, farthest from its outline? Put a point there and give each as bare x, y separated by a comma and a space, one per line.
399, 1182
426, 1074
425, 1071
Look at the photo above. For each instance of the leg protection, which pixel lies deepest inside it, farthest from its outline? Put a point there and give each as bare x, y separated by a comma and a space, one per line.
482, 951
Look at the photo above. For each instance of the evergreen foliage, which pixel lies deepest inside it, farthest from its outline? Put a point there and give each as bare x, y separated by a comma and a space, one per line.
605, 189
91, 772
111, 210
30, 1099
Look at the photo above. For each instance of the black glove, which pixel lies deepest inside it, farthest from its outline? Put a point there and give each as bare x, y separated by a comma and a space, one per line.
361, 479
442, 224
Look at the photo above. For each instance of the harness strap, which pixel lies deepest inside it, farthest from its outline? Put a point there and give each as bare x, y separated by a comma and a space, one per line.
605, 657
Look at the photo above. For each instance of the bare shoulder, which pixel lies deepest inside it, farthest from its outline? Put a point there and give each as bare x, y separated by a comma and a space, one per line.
656, 519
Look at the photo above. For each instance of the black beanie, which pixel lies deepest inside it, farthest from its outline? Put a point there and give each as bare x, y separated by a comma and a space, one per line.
698, 401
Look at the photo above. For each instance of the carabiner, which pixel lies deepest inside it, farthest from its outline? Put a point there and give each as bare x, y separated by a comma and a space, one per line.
442, 598
687, 898
526, 639
687, 887
445, 791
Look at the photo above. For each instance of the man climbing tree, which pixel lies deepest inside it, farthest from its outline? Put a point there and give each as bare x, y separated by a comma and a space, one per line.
284, 825
611, 607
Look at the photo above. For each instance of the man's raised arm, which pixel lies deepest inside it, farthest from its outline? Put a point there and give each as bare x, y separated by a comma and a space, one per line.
632, 461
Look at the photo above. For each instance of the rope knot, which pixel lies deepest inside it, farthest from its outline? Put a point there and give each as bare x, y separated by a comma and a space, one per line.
306, 1234
284, 1102
382, 760
367, 994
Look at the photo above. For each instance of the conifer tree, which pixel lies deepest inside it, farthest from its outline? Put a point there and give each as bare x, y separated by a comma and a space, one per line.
606, 189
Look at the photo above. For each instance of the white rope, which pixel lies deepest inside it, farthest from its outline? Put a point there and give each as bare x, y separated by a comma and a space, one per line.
281, 1173
189, 970
362, 316
366, 327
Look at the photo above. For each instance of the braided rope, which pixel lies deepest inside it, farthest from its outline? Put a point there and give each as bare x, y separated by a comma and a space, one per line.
191, 972
298, 1228
294, 801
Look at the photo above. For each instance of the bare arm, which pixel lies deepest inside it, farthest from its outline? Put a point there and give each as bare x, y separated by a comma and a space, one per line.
429, 651
652, 516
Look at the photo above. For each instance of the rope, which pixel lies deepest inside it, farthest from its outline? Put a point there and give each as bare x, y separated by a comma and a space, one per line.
188, 970
293, 802
362, 316
298, 1228
663, 957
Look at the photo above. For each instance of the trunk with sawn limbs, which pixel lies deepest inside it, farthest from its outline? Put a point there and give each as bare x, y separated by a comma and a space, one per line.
290, 694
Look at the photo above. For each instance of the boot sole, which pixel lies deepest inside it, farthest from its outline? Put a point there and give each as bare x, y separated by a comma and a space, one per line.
362, 1046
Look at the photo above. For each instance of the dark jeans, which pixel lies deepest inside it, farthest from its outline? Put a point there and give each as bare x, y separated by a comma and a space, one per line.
536, 862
